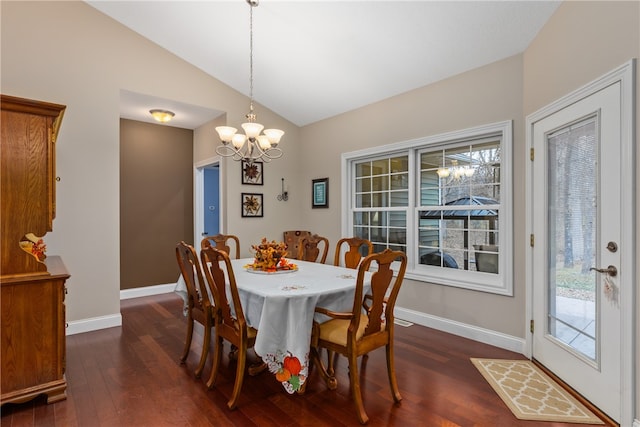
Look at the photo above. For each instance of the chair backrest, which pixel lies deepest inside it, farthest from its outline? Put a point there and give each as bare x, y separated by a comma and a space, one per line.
308, 249
221, 241
292, 239
380, 302
189, 263
353, 255
219, 275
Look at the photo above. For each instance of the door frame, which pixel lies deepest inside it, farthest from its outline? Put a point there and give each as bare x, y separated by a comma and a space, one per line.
625, 74
198, 196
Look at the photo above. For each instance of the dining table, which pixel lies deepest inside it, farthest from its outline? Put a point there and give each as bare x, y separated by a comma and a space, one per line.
281, 306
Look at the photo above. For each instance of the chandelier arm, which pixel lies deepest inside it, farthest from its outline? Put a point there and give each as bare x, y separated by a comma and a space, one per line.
243, 154
271, 152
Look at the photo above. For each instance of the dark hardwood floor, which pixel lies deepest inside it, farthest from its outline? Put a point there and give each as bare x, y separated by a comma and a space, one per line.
131, 376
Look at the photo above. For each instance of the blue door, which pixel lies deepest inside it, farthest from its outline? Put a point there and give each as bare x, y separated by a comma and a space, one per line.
211, 201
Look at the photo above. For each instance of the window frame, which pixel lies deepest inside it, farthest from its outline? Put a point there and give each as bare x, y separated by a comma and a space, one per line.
497, 283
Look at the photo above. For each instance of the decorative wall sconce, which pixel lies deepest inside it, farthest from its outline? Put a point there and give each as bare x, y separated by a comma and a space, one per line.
284, 195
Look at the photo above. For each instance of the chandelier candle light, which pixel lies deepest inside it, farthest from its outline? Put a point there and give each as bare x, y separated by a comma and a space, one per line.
458, 171
252, 145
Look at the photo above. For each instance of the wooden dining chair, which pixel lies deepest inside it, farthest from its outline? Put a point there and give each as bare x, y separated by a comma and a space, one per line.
199, 306
367, 327
292, 239
221, 241
309, 248
228, 327
353, 255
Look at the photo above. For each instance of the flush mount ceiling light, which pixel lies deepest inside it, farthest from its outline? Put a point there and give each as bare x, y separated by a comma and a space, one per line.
254, 145
162, 116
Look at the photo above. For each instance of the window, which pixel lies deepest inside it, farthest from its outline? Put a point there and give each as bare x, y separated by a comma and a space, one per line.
444, 200
381, 202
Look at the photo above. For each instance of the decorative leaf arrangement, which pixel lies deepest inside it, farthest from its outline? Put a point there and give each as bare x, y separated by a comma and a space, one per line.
270, 256
35, 246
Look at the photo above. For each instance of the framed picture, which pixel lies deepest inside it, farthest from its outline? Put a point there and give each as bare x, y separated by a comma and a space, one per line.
320, 193
251, 205
252, 173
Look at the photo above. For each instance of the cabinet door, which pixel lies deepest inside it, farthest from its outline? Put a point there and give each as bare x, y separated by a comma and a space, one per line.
33, 339
27, 157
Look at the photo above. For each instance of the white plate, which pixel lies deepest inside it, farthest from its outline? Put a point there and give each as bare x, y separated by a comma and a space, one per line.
252, 270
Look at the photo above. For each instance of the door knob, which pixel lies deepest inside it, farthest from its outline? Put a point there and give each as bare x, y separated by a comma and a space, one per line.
611, 270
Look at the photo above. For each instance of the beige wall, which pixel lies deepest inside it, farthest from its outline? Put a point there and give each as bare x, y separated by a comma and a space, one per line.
156, 201
581, 42
485, 95
68, 53
71, 54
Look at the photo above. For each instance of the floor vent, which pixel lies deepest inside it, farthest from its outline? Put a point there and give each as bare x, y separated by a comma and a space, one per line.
401, 322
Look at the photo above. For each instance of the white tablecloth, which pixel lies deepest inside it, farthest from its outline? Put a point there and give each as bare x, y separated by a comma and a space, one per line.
281, 307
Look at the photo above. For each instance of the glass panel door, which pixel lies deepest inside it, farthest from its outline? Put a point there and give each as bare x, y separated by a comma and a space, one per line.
572, 153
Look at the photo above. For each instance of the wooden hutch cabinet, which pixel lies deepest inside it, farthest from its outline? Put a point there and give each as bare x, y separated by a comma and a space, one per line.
32, 284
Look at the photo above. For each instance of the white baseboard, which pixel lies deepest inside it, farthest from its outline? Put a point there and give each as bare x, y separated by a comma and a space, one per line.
487, 336
146, 291
636, 423
94, 324
114, 320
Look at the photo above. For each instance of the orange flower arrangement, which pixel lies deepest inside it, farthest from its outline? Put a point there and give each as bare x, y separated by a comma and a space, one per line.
270, 256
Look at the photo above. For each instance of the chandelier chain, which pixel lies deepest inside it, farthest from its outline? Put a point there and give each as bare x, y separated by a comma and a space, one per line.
251, 6
251, 146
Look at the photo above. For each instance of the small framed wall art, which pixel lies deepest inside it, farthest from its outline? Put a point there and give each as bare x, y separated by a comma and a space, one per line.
320, 193
252, 173
252, 205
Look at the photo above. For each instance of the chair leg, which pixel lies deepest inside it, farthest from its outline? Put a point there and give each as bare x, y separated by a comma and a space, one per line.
330, 380
233, 353
355, 388
187, 342
242, 360
392, 375
205, 350
217, 355
331, 356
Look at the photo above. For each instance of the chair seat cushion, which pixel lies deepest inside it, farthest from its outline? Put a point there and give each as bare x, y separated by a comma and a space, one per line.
335, 330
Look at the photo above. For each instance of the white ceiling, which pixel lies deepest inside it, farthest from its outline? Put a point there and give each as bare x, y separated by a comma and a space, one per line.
317, 59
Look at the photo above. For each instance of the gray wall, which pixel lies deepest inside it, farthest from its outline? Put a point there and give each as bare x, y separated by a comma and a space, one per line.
156, 201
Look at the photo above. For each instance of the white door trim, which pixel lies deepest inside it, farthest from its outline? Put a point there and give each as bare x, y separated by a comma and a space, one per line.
625, 74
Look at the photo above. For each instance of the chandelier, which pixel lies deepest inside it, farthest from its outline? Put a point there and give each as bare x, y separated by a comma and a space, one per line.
252, 145
457, 171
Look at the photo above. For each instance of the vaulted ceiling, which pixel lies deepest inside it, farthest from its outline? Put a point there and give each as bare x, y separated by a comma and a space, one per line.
317, 59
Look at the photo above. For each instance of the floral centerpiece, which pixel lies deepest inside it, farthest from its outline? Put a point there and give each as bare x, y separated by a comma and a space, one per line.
270, 256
